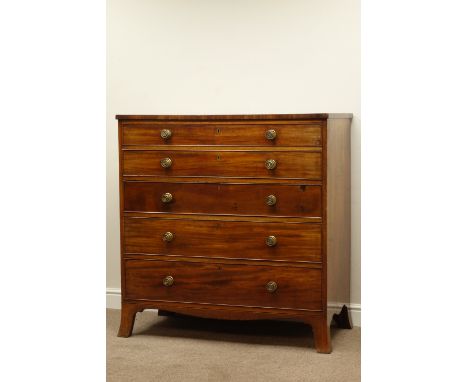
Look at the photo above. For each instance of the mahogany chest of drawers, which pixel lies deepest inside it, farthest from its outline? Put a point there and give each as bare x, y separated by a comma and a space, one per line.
236, 217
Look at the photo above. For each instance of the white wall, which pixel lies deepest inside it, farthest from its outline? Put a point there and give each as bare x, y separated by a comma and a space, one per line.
232, 57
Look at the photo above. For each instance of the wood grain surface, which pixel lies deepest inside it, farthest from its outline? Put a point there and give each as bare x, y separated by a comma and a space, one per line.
232, 118
215, 283
221, 134
230, 199
219, 218
239, 164
223, 239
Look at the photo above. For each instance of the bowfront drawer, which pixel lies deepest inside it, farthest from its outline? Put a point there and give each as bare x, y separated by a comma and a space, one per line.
226, 284
228, 239
248, 164
241, 134
224, 199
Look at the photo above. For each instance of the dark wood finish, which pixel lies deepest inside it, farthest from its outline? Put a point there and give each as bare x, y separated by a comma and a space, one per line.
196, 258
229, 312
226, 239
192, 133
218, 283
239, 164
218, 215
220, 180
321, 331
226, 199
202, 148
243, 218
235, 149
127, 318
237, 117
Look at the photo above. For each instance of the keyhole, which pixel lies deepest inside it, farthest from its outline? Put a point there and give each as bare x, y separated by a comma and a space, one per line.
218, 130
218, 157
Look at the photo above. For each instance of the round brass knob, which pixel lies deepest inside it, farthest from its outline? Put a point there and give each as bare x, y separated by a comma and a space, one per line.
167, 197
270, 241
168, 236
166, 162
270, 200
271, 286
166, 133
270, 134
168, 281
270, 164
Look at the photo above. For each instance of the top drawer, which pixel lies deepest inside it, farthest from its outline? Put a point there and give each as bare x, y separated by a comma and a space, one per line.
214, 134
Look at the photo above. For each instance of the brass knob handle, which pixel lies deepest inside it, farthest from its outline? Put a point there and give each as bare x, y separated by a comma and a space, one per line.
168, 236
271, 286
270, 164
167, 197
166, 162
270, 134
270, 241
166, 133
270, 200
168, 281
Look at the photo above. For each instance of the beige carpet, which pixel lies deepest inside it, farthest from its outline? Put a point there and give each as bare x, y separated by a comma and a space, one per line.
191, 349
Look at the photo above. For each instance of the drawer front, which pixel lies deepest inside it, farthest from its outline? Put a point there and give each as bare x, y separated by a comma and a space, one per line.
305, 165
308, 134
227, 284
246, 240
225, 199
